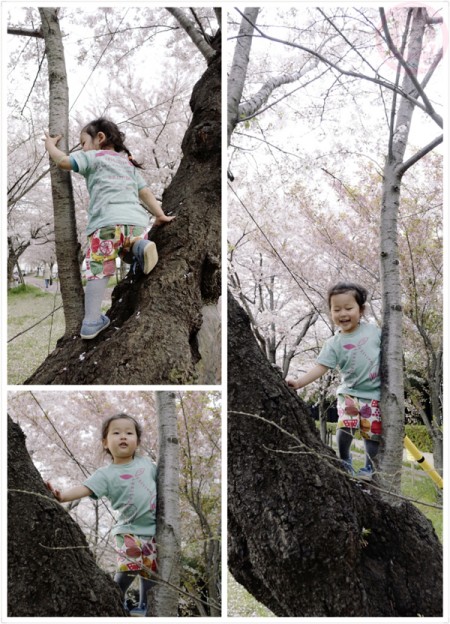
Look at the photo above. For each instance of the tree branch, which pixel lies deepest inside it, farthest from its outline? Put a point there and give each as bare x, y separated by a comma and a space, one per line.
251, 106
344, 72
429, 108
24, 32
195, 36
418, 155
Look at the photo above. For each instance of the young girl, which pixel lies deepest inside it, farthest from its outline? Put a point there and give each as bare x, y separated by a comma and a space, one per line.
129, 484
355, 349
117, 222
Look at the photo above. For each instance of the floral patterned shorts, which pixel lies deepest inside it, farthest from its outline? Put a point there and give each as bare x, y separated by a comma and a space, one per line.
136, 554
362, 414
108, 243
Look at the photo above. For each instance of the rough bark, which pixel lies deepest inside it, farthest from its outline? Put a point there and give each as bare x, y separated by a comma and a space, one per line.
164, 596
155, 319
304, 538
51, 571
67, 246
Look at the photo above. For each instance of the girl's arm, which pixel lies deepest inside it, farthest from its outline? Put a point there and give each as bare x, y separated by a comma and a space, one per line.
65, 496
152, 205
61, 159
317, 371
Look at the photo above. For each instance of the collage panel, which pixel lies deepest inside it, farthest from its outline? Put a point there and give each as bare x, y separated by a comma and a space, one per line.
336, 177
114, 504
114, 201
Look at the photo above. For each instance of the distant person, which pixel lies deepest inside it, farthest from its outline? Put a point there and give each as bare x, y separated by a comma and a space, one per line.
47, 275
355, 350
129, 483
117, 222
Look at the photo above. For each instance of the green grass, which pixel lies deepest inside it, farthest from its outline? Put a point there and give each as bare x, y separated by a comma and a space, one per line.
26, 306
25, 289
417, 485
242, 604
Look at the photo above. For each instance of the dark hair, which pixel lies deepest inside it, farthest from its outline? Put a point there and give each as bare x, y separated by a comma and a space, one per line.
113, 136
359, 292
106, 423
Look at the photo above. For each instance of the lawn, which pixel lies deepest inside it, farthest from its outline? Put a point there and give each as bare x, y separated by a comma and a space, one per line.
33, 337
26, 306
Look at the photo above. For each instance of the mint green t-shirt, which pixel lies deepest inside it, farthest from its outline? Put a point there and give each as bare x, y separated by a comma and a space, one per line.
131, 490
357, 355
113, 184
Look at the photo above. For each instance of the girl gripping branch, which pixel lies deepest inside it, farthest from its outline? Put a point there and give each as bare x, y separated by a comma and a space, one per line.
355, 349
117, 222
129, 483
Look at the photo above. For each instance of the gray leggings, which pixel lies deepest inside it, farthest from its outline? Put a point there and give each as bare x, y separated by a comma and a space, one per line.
344, 438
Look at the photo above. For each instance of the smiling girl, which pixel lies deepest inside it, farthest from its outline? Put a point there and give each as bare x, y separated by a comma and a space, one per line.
129, 483
355, 350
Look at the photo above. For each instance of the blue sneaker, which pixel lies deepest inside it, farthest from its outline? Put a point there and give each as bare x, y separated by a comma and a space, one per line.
91, 330
146, 254
138, 612
347, 465
365, 473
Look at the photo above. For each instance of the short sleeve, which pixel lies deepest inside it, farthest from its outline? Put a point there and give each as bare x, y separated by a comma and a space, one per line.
73, 164
83, 161
328, 356
98, 483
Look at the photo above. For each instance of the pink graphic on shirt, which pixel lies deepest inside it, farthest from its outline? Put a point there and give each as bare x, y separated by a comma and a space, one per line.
126, 476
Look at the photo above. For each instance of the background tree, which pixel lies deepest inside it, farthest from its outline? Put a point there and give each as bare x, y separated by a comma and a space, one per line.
67, 246
164, 595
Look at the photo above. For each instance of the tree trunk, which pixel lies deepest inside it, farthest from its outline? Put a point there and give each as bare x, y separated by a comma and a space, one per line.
155, 319
51, 571
239, 67
304, 538
67, 246
391, 369
164, 596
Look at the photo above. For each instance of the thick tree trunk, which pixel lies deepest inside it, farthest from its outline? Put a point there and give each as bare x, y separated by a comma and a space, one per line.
67, 246
304, 538
164, 596
155, 320
51, 572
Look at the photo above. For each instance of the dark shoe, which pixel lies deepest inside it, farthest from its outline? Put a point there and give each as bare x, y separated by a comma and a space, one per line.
146, 255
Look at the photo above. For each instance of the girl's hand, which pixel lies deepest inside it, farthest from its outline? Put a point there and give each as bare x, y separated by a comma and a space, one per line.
292, 383
51, 140
163, 219
56, 493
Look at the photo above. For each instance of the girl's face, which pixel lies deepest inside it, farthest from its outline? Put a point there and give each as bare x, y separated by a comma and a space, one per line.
345, 311
121, 440
89, 143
